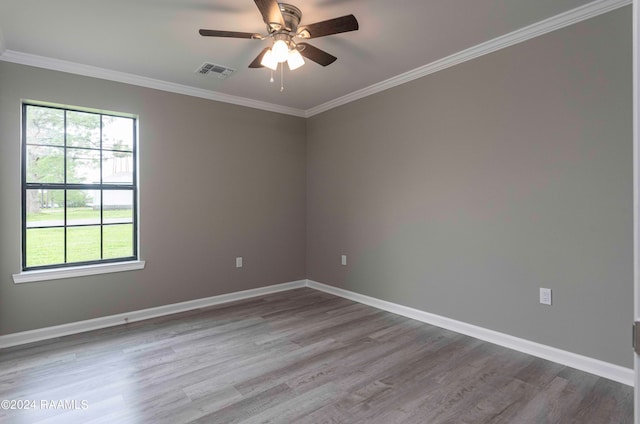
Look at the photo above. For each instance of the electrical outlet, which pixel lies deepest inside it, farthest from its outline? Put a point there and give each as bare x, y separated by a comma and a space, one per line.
239, 262
344, 259
545, 296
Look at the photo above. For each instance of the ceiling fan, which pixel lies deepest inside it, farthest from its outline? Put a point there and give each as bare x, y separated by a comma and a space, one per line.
282, 22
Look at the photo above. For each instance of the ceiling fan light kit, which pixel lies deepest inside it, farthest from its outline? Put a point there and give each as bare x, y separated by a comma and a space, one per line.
282, 22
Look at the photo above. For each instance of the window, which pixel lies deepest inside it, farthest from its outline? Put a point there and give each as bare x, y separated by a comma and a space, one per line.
79, 187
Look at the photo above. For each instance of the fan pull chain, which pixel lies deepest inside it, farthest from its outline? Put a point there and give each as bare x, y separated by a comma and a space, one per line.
271, 79
281, 77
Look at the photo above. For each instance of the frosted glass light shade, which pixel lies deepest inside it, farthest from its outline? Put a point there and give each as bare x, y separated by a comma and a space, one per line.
269, 61
280, 51
295, 60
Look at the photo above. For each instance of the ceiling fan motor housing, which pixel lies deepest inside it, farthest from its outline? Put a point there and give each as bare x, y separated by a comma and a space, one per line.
291, 16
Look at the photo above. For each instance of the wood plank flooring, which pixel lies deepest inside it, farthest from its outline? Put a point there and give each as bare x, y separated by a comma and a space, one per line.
300, 356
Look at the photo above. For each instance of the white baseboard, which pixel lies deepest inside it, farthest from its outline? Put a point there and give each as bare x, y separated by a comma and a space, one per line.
584, 363
594, 366
39, 334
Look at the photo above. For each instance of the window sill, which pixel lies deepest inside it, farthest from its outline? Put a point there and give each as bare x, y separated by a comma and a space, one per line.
79, 271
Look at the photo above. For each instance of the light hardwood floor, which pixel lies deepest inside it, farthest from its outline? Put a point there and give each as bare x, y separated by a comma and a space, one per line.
300, 356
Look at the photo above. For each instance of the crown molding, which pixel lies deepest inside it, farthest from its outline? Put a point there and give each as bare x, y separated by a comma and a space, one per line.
590, 10
108, 74
562, 20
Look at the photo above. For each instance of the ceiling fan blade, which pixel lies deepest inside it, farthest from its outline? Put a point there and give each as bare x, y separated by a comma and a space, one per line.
332, 26
319, 56
230, 34
270, 13
256, 62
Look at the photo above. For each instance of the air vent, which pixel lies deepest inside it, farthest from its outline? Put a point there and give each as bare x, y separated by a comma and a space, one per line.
215, 70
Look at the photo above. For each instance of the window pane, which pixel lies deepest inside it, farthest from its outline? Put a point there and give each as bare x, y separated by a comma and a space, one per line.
81, 209
83, 244
45, 126
117, 206
118, 241
79, 186
83, 166
44, 208
45, 246
117, 133
45, 164
83, 129
117, 168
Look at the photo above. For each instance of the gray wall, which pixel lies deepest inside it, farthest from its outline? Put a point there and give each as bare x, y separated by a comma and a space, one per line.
463, 192
216, 180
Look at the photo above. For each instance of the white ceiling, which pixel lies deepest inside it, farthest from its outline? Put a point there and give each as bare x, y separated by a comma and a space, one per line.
159, 39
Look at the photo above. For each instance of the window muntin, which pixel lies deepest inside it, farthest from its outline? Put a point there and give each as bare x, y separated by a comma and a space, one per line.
79, 190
